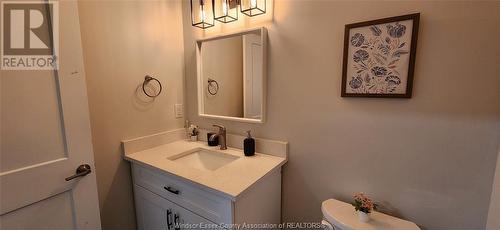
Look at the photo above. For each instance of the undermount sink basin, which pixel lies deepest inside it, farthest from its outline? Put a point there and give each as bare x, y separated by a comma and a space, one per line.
203, 159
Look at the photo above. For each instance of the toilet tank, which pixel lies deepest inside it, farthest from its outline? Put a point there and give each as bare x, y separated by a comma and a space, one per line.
338, 215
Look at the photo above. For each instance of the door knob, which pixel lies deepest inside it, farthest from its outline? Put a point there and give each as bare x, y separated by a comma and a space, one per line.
82, 170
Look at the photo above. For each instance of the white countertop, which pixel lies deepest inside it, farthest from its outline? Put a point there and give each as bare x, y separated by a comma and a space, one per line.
231, 179
344, 216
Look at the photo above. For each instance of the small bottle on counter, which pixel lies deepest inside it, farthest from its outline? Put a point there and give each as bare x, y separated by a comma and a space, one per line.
249, 145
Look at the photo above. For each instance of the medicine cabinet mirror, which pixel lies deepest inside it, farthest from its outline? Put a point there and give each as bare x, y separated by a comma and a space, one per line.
232, 76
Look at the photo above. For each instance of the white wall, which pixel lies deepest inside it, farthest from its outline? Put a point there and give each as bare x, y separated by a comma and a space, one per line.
430, 159
494, 213
122, 42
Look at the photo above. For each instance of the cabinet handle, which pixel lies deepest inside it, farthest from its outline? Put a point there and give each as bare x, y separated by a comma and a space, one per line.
176, 222
169, 222
172, 190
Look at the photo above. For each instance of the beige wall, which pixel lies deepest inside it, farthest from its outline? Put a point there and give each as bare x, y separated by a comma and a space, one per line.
494, 213
430, 159
122, 42
223, 62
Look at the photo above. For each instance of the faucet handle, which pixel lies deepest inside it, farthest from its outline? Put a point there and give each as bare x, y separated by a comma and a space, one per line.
221, 127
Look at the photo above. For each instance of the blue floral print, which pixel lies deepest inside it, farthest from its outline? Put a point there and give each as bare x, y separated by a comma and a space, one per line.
396, 31
384, 48
375, 30
360, 56
357, 39
393, 80
378, 58
356, 82
379, 71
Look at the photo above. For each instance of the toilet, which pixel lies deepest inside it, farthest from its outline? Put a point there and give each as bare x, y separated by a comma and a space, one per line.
338, 215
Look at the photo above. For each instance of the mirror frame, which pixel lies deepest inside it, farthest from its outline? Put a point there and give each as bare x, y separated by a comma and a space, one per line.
201, 108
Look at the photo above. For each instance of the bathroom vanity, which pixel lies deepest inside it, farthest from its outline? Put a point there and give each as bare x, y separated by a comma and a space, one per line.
180, 184
189, 185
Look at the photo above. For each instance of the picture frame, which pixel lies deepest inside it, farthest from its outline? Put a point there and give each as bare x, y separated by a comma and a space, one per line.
379, 57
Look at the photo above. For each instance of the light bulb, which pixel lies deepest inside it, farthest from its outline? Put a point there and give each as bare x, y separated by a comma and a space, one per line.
202, 14
224, 8
253, 3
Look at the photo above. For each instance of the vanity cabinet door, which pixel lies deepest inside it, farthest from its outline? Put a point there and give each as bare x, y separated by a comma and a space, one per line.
156, 213
151, 212
189, 220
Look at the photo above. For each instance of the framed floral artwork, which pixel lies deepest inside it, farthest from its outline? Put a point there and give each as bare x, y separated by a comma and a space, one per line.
379, 57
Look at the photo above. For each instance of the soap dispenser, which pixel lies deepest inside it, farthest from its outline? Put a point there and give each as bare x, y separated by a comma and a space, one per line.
249, 145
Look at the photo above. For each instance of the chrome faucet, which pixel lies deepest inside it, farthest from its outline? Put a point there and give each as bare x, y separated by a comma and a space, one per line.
222, 136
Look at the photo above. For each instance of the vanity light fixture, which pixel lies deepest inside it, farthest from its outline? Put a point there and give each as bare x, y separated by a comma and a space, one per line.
202, 13
225, 10
253, 7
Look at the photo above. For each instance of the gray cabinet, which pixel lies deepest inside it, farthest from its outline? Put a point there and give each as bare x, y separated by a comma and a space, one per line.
164, 200
157, 213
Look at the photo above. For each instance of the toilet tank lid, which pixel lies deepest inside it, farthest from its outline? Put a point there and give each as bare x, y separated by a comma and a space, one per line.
344, 216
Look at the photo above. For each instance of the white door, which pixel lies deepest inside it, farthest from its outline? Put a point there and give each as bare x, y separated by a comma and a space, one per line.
493, 220
45, 136
252, 76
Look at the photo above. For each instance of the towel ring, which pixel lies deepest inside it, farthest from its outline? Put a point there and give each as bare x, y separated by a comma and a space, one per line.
213, 91
147, 79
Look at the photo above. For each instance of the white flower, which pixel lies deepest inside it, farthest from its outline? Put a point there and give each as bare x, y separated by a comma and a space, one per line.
193, 130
